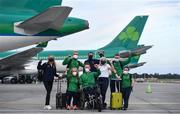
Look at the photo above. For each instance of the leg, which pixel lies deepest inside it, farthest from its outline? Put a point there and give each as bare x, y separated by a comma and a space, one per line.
75, 98
69, 97
128, 92
123, 95
48, 86
112, 86
104, 82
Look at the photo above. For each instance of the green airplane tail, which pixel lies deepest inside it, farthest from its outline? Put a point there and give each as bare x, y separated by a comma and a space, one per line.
129, 37
135, 59
37, 5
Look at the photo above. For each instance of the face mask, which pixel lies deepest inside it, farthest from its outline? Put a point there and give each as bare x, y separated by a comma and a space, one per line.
75, 56
74, 73
103, 62
125, 72
116, 59
87, 69
101, 55
90, 57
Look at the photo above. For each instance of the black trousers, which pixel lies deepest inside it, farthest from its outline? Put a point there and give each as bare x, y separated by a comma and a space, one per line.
126, 94
113, 85
71, 95
48, 85
103, 83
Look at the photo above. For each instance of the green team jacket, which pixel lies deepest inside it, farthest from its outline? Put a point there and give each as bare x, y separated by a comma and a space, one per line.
72, 83
72, 63
89, 79
119, 65
126, 80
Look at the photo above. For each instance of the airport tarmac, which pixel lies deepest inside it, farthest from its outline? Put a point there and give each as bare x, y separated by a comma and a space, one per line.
29, 98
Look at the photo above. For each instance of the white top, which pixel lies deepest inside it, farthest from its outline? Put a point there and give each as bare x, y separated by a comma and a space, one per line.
105, 72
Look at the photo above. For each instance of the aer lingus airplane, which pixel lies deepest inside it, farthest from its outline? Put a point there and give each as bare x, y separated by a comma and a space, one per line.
28, 22
125, 43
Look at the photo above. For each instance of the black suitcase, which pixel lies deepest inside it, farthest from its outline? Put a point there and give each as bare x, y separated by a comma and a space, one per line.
60, 97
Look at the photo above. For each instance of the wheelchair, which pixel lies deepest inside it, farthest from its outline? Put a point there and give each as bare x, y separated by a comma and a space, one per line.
91, 98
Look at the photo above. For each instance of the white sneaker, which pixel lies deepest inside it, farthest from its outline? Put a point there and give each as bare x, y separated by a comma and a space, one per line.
47, 107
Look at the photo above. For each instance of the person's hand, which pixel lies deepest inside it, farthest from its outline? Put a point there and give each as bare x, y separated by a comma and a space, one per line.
118, 77
96, 66
40, 61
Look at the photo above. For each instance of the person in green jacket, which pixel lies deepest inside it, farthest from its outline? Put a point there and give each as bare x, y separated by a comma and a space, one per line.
88, 80
72, 62
118, 66
72, 88
127, 84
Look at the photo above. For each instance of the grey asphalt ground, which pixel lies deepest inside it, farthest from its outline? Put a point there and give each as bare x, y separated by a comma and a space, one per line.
29, 98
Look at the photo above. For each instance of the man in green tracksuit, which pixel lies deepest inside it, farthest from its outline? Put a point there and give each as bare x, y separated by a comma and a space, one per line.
72, 88
127, 84
118, 66
88, 80
72, 62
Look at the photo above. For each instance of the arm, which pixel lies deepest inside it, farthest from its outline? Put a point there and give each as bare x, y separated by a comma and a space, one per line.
132, 81
124, 63
66, 60
96, 74
55, 72
81, 64
41, 67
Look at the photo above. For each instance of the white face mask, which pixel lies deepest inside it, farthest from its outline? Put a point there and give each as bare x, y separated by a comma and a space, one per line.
75, 56
116, 59
74, 73
125, 72
87, 69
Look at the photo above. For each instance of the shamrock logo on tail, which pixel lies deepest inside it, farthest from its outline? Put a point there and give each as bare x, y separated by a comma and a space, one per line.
130, 34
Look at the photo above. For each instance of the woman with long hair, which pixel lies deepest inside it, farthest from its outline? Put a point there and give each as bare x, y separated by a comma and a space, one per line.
49, 71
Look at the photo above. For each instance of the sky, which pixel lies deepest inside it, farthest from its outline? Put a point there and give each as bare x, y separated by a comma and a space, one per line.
108, 17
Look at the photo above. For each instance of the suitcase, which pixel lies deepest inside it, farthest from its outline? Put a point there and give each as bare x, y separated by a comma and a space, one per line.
60, 97
116, 99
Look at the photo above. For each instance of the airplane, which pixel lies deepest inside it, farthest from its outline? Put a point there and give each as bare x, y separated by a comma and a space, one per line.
125, 42
28, 22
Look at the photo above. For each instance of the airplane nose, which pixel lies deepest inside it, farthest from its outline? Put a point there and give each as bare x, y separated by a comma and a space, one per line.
87, 24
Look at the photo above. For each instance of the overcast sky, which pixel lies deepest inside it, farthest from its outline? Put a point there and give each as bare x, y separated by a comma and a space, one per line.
108, 17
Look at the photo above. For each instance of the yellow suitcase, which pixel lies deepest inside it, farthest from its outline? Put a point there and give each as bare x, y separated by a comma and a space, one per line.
116, 100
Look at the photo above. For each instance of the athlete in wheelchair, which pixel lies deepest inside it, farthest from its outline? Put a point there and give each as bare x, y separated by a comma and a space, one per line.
90, 90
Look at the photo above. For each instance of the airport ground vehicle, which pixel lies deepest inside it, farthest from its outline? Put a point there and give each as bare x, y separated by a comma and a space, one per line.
21, 79
140, 80
9, 80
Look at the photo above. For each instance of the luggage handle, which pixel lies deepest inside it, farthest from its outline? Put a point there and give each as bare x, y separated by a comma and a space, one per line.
59, 85
119, 80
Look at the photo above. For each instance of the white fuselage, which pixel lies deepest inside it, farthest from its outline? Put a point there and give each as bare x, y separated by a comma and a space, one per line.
32, 68
14, 42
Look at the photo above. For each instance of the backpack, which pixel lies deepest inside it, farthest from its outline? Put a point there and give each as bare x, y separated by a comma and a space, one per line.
40, 74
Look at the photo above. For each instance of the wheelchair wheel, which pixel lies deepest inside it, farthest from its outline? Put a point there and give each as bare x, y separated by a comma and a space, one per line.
99, 104
82, 101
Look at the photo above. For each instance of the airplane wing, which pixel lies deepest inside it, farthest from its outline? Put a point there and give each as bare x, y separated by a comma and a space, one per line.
19, 59
52, 18
135, 65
